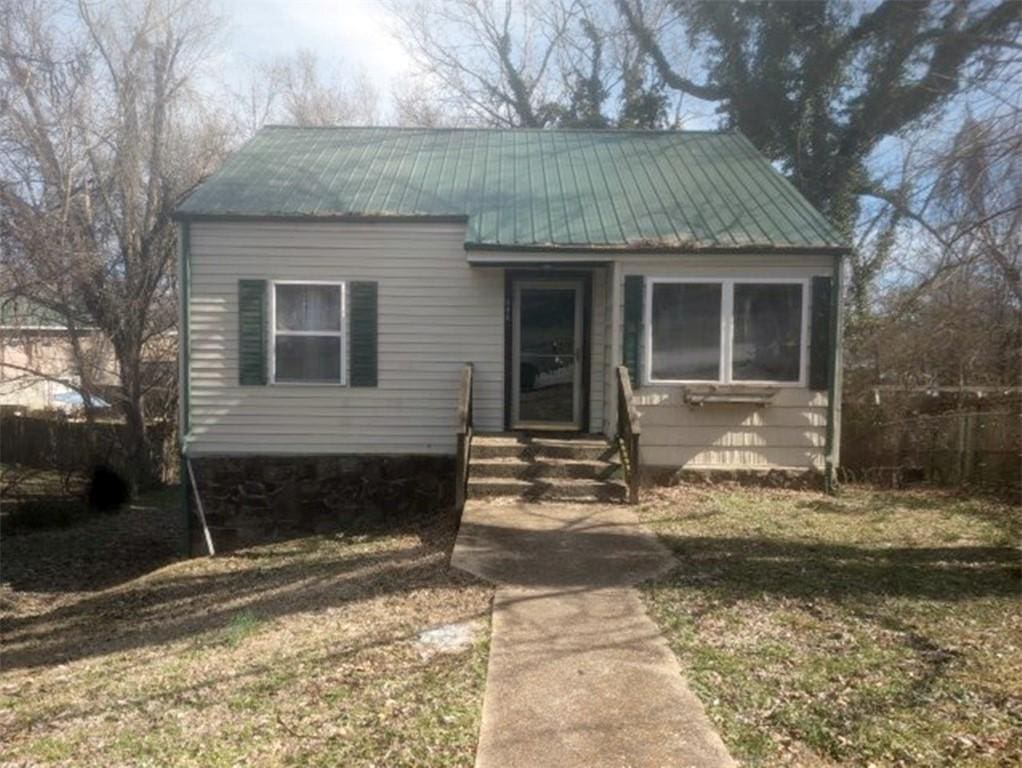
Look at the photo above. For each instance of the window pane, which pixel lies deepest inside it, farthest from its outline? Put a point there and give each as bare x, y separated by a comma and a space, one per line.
547, 321
308, 308
308, 358
686, 331
768, 330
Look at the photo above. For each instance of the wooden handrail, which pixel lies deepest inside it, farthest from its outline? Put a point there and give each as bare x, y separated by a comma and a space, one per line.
463, 434
628, 432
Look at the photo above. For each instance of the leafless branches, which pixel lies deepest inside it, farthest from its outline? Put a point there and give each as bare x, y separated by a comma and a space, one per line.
96, 153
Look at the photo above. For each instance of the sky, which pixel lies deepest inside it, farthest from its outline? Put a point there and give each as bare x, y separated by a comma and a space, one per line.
350, 33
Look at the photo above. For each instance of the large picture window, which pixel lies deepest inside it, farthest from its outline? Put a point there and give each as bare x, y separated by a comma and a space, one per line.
308, 332
686, 331
726, 331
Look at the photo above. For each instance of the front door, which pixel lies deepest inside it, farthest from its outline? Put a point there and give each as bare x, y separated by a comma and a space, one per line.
547, 355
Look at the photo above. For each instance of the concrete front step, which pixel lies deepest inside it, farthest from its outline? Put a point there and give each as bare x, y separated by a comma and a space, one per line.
549, 489
528, 447
541, 467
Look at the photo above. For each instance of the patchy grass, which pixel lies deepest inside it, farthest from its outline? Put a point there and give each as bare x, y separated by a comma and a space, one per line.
876, 628
297, 653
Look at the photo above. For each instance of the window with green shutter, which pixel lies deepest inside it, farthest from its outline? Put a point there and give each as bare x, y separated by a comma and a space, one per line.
319, 332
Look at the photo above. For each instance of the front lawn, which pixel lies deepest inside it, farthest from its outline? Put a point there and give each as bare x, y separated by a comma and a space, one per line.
306, 652
877, 628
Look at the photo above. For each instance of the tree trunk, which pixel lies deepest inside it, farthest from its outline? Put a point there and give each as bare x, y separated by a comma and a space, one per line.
139, 467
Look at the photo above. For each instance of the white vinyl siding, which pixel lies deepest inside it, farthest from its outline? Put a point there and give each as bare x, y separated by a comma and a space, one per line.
435, 313
788, 433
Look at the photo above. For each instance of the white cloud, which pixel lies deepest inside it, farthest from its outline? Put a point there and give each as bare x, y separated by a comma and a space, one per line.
353, 33
355, 30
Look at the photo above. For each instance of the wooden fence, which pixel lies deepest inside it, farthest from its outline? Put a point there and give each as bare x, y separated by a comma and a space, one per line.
68, 446
978, 444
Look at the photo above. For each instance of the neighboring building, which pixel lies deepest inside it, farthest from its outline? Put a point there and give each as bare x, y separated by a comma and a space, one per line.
336, 280
39, 367
41, 362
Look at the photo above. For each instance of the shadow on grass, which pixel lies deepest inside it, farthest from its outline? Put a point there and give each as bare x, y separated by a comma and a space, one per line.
742, 567
95, 551
205, 595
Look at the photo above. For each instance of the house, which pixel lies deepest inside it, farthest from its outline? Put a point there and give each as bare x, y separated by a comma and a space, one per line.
337, 280
41, 358
44, 359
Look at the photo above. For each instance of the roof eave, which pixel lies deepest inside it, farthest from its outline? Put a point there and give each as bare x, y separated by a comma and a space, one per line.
310, 217
646, 248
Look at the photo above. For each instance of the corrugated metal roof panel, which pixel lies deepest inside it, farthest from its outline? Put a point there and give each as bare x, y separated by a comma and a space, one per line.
525, 188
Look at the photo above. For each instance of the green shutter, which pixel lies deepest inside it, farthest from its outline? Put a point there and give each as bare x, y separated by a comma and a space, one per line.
252, 332
363, 334
819, 334
631, 345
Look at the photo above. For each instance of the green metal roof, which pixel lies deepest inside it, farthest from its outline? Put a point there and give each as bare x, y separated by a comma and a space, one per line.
525, 188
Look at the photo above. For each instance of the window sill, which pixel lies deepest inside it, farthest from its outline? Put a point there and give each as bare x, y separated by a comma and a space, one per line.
730, 394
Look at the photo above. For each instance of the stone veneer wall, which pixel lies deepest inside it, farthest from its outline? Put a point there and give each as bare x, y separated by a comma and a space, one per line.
793, 479
253, 499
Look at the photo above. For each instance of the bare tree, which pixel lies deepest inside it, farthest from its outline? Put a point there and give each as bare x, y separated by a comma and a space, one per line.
527, 63
818, 86
954, 281
417, 105
494, 60
300, 89
100, 136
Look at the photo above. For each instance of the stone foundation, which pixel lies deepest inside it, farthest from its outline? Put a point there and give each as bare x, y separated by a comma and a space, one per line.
255, 499
794, 479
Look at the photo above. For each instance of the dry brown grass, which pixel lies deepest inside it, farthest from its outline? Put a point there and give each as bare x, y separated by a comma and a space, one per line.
879, 628
299, 653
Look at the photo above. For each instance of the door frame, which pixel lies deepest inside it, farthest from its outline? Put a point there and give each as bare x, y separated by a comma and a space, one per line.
512, 277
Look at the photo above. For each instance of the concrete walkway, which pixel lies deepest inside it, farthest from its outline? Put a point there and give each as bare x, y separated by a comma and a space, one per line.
578, 674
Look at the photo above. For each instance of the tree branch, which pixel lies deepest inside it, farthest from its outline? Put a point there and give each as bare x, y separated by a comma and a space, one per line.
647, 41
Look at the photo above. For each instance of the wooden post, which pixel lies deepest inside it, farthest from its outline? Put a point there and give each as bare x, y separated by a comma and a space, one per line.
628, 431
463, 435
460, 471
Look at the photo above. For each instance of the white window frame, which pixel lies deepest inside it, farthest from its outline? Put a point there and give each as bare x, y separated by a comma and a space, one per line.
341, 335
727, 302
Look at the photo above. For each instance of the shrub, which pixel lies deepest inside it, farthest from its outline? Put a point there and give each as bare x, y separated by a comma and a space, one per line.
108, 491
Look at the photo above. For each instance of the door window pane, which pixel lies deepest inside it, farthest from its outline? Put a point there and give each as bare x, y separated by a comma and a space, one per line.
548, 321
308, 358
546, 388
686, 331
767, 332
547, 364
308, 308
